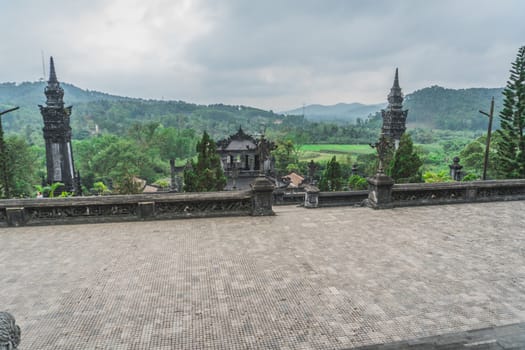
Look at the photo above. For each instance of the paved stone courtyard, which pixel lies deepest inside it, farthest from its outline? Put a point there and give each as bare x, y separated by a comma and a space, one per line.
304, 279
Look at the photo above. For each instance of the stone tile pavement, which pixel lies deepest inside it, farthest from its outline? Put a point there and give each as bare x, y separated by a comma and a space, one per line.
331, 278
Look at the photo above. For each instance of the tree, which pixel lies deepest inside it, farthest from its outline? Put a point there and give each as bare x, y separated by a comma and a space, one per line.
473, 154
356, 183
116, 161
511, 148
206, 175
285, 154
442, 176
406, 163
122, 162
332, 178
21, 167
174, 144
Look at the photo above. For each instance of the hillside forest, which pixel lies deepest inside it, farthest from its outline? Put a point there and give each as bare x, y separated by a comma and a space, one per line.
115, 138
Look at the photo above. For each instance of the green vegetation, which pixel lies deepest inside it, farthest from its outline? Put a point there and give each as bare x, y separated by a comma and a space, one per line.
119, 162
511, 148
21, 169
286, 156
206, 174
118, 141
406, 163
356, 183
441, 176
332, 178
448, 109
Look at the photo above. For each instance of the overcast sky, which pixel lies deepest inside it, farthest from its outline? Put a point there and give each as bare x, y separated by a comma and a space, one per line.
272, 54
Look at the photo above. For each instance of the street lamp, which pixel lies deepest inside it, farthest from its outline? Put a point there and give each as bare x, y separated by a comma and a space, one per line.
489, 131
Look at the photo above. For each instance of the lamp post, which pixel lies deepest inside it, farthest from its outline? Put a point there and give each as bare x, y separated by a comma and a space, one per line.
3, 156
489, 131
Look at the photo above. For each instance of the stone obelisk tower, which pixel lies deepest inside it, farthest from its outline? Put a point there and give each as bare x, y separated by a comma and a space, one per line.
57, 134
394, 117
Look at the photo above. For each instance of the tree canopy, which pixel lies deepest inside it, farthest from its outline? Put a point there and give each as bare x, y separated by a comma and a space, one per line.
332, 178
406, 164
206, 174
511, 148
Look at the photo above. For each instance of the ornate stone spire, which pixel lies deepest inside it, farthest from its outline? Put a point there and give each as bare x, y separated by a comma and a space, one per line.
394, 117
395, 97
57, 135
54, 92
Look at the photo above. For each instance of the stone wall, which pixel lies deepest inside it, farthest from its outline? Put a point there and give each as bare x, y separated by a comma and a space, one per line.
457, 192
401, 195
258, 201
341, 198
51, 211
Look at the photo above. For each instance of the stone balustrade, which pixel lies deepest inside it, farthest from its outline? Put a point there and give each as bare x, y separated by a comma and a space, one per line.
384, 194
257, 202
457, 192
46, 211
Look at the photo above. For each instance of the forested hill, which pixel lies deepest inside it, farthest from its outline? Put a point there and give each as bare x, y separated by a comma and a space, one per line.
32, 93
94, 111
441, 108
341, 112
432, 107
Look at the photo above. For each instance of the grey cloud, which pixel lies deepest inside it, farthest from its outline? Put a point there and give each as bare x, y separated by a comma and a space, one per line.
277, 54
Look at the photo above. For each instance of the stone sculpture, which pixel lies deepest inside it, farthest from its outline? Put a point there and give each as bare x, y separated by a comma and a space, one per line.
9, 332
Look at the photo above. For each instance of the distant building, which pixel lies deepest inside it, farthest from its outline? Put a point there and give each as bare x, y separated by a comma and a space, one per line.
293, 180
394, 117
244, 158
57, 135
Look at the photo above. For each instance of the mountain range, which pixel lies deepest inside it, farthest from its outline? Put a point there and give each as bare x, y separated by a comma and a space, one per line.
341, 112
93, 111
432, 107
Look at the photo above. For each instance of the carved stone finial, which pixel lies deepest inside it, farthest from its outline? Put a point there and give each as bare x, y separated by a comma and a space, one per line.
54, 92
52, 73
396, 80
9, 332
395, 97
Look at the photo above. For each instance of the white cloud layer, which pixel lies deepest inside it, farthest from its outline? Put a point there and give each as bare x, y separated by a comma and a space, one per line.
271, 54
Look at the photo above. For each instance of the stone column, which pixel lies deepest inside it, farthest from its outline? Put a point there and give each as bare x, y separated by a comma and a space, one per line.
311, 197
380, 191
262, 197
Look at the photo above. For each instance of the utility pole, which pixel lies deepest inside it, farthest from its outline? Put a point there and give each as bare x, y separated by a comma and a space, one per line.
489, 131
3, 156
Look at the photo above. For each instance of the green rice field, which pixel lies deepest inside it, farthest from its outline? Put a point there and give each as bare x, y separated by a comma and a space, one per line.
323, 152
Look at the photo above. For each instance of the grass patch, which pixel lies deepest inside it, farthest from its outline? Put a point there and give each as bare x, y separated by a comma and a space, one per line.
324, 152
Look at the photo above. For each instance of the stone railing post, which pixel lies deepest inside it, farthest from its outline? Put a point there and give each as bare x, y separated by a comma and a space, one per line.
311, 197
380, 191
262, 196
455, 170
278, 196
15, 216
146, 210
9, 332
